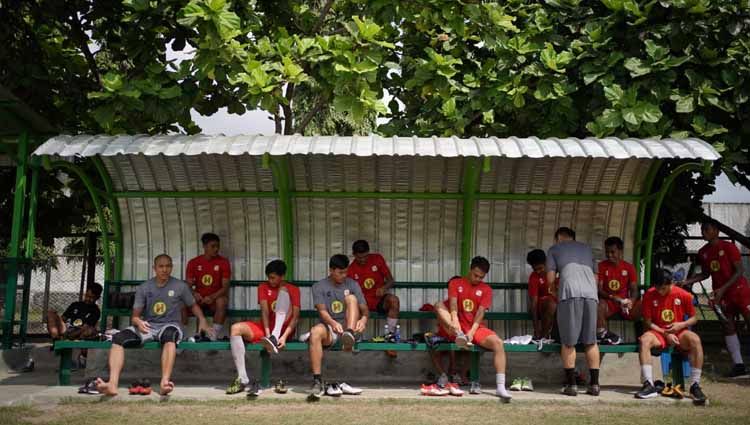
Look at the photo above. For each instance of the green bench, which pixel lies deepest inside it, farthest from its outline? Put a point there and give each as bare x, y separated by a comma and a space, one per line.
64, 348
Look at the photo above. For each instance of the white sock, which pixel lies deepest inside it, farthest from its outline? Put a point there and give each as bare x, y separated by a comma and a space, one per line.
282, 307
733, 346
392, 322
600, 331
217, 330
695, 376
647, 372
238, 354
500, 381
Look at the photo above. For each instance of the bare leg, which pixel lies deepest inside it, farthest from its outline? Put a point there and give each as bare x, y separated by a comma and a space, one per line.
168, 353
318, 337
116, 362
495, 344
352, 311
220, 310
392, 306
549, 309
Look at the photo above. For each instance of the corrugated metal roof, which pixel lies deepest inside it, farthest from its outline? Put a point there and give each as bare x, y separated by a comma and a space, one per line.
373, 145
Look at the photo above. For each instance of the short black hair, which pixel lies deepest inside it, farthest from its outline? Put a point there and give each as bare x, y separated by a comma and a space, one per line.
209, 237
339, 261
710, 222
276, 266
481, 263
536, 256
567, 231
95, 289
661, 277
614, 241
360, 247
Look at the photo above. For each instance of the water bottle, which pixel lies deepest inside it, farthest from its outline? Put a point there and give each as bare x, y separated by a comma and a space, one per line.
385, 331
397, 334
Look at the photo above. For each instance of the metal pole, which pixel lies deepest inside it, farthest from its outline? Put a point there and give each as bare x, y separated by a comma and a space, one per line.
33, 206
640, 219
470, 185
280, 172
114, 208
19, 201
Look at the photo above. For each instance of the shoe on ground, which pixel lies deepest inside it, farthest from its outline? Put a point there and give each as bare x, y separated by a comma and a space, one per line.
433, 390
699, 399
659, 385
570, 390
145, 387
505, 396
91, 387
648, 390
593, 390
333, 390
738, 371
678, 392
316, 391
236, 387
135, 388
253, 389
456, 378
280, 387
580, 379
347, 340
516, 385
454, 389
270, 344
443, 380
527, 385
349, 390
475, 388
28, 367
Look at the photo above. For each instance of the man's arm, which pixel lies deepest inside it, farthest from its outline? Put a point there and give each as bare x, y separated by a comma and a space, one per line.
453, 305
534, 315
478, 317
202, 323
140, 324
738, 270
551, 277
265, 317
291, 325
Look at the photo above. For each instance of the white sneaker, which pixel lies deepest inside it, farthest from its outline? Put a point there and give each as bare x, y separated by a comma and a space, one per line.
304, 337
461, 340
504, 395
349, 390
526, 385
517, 384
334, 390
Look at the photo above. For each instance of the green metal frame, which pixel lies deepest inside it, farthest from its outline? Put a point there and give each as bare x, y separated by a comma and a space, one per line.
115, 210
280, 171
19, 205
642, 204
470, 187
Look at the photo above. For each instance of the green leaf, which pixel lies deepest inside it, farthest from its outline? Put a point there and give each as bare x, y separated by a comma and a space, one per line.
549, 57
191, 13
216, 5
610, 118
685, 104
655, 51
614, 94
488, 117
227, 24
366, 29
630, 116
449, 107
112, 81
636, 67
170, 92
649, 112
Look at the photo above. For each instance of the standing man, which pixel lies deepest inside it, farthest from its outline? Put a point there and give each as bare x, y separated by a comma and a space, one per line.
343, 313
618, 291
156, 317
721, 261
460, 319
542, 296
208, 278
577, 309
374, 278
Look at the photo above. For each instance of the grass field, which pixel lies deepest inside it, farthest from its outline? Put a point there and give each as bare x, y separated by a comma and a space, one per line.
730, 404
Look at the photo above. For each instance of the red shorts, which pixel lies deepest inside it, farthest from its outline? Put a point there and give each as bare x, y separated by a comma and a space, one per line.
257, 330
663, 340
479, 336
614, 308
737, 301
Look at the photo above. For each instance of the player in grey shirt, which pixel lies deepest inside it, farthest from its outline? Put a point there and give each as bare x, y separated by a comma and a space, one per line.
577, 308
343, 312
157, 312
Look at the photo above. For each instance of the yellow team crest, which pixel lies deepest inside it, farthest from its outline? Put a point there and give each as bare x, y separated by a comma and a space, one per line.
273, 306
667, 315
468, 305
369, 283
337, 307
77, 322
614, 285
159, 308
715, 266
207, 280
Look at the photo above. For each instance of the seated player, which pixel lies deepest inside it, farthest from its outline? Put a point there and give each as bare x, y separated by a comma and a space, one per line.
664, 305
374, 278
343, 314
542, 296
208, 277
460, 319
279, 305
618, 291
721, 261
156, 317
78, 321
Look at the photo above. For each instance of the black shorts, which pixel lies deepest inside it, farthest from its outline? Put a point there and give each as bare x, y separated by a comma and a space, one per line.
380, 308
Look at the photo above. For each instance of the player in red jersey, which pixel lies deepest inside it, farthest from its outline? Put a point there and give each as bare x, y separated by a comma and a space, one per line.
279, 305
372, 274
460, 319
542, 296
721, 261
208, 277
618, 291
668, 312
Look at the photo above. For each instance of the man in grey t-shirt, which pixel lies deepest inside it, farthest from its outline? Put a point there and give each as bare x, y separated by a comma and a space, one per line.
577, 307
343, 312
157, 312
